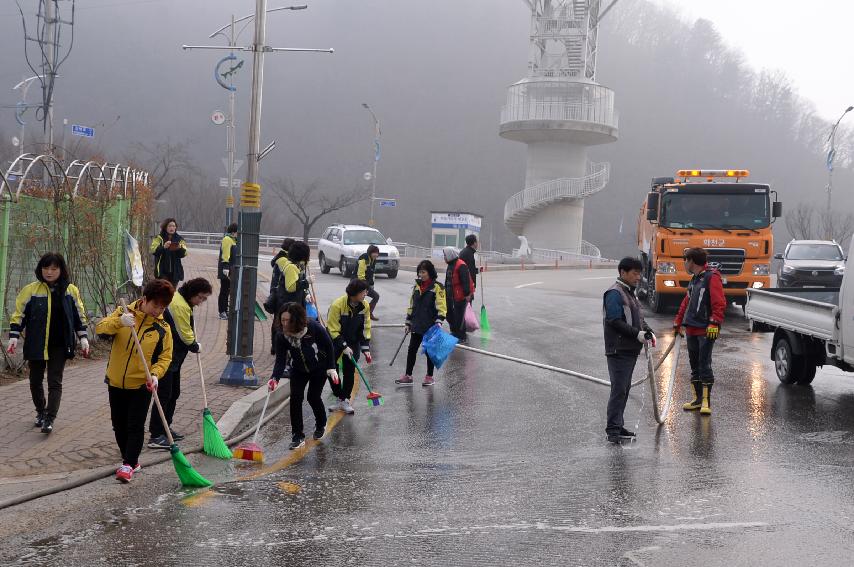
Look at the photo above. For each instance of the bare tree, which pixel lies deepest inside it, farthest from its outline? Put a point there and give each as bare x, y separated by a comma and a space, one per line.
805, 222
799, 221
309, 204
167, 164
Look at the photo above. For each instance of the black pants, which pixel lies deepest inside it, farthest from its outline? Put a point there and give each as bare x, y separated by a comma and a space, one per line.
345, 387
315, 383
128, 410
372, 293
620, 369
168, 391
224, 291
55, 366
415, 342
700, 357
456, 318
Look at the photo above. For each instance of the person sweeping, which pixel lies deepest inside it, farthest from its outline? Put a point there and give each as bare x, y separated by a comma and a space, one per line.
349, 325
128, 384
179, 316
50, 315
427, 307
309, 348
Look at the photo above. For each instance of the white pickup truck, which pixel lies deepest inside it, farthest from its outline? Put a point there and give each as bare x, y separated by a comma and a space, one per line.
812, 327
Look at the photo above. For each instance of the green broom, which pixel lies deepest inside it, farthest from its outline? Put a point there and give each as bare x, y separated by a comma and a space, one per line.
484, 319
185, 471
213, 442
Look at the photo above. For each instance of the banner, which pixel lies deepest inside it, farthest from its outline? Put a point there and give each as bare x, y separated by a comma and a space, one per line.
133, 260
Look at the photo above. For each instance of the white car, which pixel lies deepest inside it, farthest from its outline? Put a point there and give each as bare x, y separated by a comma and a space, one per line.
341, 245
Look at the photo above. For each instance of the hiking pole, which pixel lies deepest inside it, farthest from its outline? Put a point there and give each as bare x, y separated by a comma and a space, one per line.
400, 346
213, 443
185, 471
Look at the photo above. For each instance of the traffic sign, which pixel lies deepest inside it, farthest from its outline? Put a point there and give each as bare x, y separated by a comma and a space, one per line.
223, 182
84, 131
388, 202
238, 163
218, 117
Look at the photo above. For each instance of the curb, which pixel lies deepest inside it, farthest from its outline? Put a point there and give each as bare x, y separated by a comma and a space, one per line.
244, 411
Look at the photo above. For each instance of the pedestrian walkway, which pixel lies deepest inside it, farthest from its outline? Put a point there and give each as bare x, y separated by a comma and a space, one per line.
83, 437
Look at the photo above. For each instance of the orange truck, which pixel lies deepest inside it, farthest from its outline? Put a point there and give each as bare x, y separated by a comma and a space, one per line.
712, 209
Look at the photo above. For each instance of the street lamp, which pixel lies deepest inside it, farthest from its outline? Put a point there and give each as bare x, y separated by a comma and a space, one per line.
22, 106
830, 155
377, 134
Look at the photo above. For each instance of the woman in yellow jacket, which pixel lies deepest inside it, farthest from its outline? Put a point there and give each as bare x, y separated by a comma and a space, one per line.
127, 384
168, 248
50, 315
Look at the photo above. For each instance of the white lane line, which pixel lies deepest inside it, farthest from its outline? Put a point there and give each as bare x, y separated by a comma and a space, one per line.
527, 284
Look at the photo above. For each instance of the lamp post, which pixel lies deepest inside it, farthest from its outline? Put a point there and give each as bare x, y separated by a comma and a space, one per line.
22, 106
830, 155
377, 134
240, 369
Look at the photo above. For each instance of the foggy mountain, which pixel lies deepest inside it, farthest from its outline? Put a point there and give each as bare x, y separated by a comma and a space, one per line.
435, 73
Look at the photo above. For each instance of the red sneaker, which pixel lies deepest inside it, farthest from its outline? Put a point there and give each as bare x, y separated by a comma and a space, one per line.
124, 473
428, 381
405, 380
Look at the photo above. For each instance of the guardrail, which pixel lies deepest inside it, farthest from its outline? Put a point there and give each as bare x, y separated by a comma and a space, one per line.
560, 100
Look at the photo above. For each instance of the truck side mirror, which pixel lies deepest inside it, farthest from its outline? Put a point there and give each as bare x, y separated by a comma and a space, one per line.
652, 206
778, 256
777, 209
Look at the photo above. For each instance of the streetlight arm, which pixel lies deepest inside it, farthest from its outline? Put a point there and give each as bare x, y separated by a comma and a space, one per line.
250, 16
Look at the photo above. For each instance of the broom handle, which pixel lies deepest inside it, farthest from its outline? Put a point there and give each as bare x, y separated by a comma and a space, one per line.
481, 288
400, 346
201, 372
260, 421
362, 376
148, 377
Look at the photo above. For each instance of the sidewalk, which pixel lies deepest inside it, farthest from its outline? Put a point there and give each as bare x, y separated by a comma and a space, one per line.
83, 437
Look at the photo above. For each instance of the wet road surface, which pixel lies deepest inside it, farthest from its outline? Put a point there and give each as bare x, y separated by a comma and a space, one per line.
499, 464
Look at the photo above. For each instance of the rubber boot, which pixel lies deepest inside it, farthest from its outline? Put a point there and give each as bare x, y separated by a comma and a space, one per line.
696, 403
707, 394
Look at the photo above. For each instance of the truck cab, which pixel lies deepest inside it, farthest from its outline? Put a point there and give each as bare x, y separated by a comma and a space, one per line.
712, 209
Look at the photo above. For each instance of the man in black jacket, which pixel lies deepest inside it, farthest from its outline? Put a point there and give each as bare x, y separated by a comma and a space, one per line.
467, 256
626, 332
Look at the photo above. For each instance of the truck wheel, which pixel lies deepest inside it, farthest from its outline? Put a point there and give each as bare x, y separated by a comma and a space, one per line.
392, 274
807, 372
786, 363
321, 259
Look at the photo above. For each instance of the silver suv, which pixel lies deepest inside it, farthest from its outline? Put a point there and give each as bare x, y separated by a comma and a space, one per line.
341, 245
811, 263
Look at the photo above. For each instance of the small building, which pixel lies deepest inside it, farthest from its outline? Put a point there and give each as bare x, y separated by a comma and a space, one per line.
451, 229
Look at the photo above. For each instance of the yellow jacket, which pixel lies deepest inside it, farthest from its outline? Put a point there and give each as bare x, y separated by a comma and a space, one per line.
33, 308
124, 369
348, 325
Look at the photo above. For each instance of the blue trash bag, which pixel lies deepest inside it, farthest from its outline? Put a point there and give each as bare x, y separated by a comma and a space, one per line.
311, 310
438, 345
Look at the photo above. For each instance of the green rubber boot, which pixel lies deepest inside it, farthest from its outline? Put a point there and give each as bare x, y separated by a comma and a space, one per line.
697, 402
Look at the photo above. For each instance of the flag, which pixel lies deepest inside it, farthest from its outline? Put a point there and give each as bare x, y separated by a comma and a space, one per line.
376, 150
830, 155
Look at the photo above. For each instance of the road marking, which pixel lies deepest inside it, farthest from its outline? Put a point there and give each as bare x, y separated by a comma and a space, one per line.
292, 457
527, 284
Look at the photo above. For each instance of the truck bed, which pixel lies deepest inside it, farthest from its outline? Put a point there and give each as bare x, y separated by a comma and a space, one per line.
806, 311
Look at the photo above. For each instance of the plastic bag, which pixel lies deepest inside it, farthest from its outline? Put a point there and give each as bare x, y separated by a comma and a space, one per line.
311, 311
470, 319
438, 345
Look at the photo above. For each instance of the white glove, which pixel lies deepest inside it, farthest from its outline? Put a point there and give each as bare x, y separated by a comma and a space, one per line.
151, 385
348, 352
128, 319
84, 346
333, 375
642, 337
13, 343
199, 345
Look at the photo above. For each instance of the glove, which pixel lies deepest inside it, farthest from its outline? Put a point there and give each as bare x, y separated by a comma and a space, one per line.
368, 358
195, 348
650, 336
128, 320
677, 331
13, 343
271, 384
348, 352
333, 375
713, 331
151, 385
407, 328
641, 337
84, 346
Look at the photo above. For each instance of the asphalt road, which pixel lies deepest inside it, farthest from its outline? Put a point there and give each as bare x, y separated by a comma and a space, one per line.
499, 464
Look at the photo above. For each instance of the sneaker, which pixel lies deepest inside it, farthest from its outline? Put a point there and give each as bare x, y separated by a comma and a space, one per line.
374, 317
297, 442
124, 474
137, 468
615, 439
175, 435
626, 434
405, 380
319, 432
47, 426
345, 406
39, 420
159, 442
223, 316
428, 381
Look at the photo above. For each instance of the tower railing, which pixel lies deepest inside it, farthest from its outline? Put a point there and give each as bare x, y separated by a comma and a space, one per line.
560, 100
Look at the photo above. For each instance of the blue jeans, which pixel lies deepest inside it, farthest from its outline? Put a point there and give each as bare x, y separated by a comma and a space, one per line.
620, 369
700, 356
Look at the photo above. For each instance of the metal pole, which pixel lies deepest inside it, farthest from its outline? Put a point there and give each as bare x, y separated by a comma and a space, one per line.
828, 224
377, 134
50, 17
229, 201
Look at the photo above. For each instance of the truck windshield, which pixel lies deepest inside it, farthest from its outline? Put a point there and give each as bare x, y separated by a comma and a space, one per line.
814, 252
363, 237
710, 210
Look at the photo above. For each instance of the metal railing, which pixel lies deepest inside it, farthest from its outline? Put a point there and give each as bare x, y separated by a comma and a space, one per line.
560, 100
558, 189
586, 251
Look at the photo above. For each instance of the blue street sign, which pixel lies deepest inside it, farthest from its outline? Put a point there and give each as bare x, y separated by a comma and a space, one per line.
84, 131
388, 203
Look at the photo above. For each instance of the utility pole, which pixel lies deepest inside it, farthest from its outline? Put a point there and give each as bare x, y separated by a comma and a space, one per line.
377, 134
240, 369
828, 224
